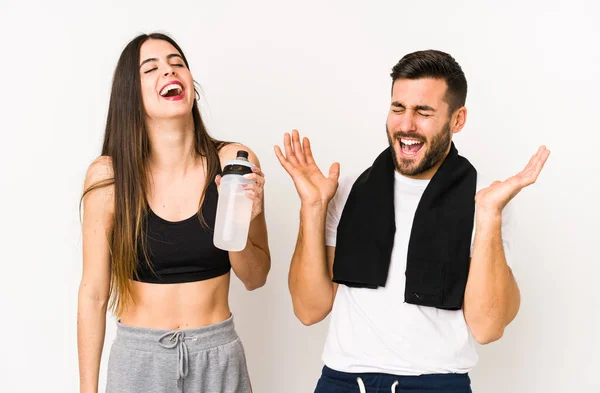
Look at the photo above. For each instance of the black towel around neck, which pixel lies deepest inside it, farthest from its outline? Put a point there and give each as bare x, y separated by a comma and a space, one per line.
439, 249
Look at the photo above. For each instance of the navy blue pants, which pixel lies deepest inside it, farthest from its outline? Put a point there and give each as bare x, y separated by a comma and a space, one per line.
332, 381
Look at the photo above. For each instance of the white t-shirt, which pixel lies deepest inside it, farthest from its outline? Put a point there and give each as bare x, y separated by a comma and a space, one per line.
374, 330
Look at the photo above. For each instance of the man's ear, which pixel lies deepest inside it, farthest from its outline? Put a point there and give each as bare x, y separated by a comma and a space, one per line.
459, 118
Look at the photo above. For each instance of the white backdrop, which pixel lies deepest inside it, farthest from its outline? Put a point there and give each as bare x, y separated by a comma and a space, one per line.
268, 66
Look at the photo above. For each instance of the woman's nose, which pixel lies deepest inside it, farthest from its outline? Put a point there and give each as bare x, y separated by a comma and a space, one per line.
169, 70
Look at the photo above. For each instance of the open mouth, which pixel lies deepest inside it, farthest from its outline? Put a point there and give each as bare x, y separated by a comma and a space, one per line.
410, 147
172, 91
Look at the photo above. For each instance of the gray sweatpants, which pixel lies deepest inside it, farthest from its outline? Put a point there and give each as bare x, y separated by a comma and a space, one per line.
205, 360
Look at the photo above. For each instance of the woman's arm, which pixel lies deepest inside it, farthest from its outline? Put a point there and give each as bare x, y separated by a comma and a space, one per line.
252, 264
98, 213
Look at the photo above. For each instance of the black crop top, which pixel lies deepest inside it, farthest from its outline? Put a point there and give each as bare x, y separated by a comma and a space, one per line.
182, 251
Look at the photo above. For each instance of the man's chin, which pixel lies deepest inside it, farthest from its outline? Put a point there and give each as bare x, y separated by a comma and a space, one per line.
407, 170
409, 166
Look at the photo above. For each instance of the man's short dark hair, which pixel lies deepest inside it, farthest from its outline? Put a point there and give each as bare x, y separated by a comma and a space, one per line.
434, 64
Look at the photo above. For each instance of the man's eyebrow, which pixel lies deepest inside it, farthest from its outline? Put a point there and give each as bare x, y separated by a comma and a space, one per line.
155, 59
424, 108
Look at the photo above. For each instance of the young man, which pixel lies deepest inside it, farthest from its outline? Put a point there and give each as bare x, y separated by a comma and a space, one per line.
410, 257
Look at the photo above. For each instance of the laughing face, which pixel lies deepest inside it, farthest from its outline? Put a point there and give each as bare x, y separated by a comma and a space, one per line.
420, 127
167, 84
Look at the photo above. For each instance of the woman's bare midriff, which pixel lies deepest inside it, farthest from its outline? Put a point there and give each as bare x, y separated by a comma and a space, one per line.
178, 306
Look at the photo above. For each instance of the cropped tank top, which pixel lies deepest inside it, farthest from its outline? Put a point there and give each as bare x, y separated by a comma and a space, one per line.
182, 251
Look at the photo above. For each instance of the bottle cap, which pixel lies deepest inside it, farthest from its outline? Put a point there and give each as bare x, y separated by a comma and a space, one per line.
243, 154
240, 166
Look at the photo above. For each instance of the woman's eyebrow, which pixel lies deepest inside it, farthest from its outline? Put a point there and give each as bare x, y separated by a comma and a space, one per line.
155, 59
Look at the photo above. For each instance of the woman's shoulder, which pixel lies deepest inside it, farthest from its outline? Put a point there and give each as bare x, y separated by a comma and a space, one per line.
100, 170
99, 184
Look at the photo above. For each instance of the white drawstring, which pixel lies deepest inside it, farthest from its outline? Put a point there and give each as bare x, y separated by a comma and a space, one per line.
362, 388
361, 385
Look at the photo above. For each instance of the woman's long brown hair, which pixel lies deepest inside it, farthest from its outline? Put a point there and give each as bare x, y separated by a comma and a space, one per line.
126, 142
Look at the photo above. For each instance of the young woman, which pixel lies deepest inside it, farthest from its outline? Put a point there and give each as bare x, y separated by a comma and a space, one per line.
149, 207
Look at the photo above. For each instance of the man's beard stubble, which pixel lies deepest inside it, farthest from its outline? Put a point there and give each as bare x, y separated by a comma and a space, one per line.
435, 153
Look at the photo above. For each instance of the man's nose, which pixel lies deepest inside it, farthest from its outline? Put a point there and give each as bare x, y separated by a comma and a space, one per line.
407, 121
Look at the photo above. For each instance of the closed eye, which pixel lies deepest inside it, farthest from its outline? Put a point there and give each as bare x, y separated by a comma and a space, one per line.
150, 70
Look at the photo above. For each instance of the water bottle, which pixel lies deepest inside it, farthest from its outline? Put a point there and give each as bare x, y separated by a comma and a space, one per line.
234, 208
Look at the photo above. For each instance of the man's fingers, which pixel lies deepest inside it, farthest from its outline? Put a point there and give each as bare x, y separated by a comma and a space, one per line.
283, 161
297, 147
531, 172
289, 151
334, 171
308, 151
290, 168
530, 164
543, 157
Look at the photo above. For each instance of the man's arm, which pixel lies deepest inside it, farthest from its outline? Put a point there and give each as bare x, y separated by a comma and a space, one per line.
492, 297
312, 262
311, 269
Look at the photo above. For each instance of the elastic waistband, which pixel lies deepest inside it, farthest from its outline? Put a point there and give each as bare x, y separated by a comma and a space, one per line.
377, 380
197, 339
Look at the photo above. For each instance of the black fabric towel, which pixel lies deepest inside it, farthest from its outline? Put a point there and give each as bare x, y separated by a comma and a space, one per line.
440, 240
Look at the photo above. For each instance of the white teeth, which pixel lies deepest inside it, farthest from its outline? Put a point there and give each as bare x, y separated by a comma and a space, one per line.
170, 87
410, 141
